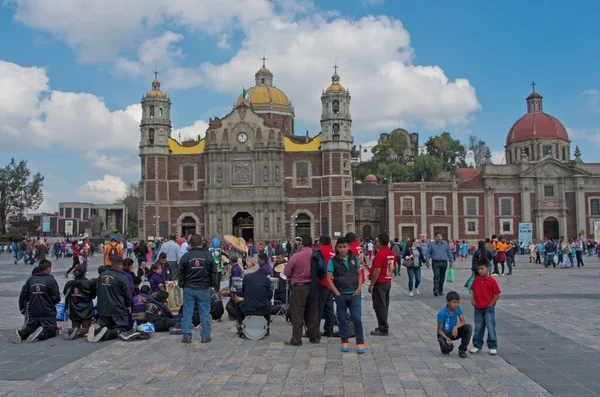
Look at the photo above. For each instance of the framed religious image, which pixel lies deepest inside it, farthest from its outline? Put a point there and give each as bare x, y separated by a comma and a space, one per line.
175, 299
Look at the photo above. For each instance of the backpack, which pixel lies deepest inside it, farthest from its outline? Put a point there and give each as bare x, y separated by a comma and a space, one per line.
396, 249
112, 252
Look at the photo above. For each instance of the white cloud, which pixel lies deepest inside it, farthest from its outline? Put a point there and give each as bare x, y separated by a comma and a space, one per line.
125, 165
107, 190
99, 30
193, 131
498, 157
372, 3
593, 96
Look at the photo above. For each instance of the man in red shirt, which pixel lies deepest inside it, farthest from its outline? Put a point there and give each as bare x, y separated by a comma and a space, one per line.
323, 255
357, 250
485, 295
382, 269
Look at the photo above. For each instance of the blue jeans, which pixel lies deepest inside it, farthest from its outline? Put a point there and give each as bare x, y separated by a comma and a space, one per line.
190, 298
509, 262
414, 275
485, 318
346, 302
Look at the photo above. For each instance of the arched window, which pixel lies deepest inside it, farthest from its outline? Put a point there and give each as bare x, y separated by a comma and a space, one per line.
151, 136
151, 111
302, 223
160, 112
336, 132
335, 106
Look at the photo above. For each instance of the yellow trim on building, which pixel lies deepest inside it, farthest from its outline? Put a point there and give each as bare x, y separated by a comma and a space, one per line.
176, 148
312, 146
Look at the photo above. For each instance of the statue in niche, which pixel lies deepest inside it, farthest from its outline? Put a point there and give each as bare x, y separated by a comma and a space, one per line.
278, 224
276, 173
219, 174
266, 173
219, 226
266, 225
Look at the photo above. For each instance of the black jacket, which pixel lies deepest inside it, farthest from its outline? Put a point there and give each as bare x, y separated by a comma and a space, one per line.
408, 252
142, 249
42, 292
114, 295
256, 289
79, 294
158, 314
345, 280
197, 270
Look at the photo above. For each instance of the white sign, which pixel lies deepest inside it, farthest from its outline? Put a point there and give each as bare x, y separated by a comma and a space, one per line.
525, 232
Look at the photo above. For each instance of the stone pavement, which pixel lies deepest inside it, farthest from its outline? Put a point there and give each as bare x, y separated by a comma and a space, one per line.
542, 352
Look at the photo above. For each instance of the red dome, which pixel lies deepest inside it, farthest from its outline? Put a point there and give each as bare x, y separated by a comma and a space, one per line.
534, 95
536, 125
370, 178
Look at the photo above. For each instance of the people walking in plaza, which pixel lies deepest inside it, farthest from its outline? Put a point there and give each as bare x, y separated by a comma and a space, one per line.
438, 256
413, 259
579, 252
398, 251
451, 325
112, 250
114, 303
305, 295
380, 275
322, 256
549, 253
480, 252
39, 296
485, 295
531, 248
172, 250
79, 295
197, 275
345, 281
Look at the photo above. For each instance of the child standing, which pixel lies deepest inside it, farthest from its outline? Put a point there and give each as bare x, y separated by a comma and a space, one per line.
485, 295
451, 326
79, 296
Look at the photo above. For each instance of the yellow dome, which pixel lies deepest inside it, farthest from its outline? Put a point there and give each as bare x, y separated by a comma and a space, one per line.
335, 88
264, 70
156, 93
266, 98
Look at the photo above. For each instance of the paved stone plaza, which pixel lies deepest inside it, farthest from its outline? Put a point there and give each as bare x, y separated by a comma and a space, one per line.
547, 322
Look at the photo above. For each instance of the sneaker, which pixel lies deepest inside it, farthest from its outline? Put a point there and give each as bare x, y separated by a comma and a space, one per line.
98, 335
494, 274
502, 274
411, 293
474, 350
92, 333
16, 337
36, 333
493, 352
65, 334
175, 331
73, 333
417, 291
345, 347
360, 348
125, 336
462, 354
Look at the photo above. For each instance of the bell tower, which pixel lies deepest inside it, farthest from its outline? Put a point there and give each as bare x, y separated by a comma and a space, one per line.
156, 121
336, 122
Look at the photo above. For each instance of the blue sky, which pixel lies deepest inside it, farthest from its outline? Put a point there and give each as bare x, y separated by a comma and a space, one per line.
73, 72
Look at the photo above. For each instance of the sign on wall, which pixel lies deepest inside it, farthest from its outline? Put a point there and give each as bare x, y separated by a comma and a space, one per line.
596, 231
525, 232
68, 227
46, 224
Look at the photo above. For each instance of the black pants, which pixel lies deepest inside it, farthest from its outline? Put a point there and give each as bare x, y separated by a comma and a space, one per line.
497, 269
439, 275
464, 334
173, 267
115, 325
305, 311
399, 266
48, 332
537, 257
381, 304
75, 263
579, 256
326, 308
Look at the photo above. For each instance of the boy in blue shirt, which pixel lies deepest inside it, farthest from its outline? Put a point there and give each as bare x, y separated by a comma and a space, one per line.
451, 326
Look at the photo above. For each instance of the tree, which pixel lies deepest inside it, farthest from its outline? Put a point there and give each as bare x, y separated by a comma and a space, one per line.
18, 190
398, 144
427, 168
382, 153
448, 150
132, 202
479, 147
355, 153
22, 226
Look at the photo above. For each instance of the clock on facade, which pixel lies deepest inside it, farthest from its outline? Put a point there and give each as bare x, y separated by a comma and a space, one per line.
243, 137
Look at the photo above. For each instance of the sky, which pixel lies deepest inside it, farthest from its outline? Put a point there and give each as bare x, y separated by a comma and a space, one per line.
73, 72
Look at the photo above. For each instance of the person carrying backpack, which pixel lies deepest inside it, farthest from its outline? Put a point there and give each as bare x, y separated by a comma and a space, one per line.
397, 250
112, 250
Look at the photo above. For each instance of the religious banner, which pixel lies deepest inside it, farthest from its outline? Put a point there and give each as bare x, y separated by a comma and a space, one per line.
46, 224
525, 232
68, 227
175, 299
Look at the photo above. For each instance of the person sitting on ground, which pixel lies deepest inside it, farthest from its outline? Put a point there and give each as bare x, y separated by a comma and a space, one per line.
128, 273
217, 309
79, 301
138, 307
156, 280
256, 290
114, 303
158, 313
451, 326
40, 294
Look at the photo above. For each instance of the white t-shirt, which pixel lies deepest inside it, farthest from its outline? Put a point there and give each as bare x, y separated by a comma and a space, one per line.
370, 246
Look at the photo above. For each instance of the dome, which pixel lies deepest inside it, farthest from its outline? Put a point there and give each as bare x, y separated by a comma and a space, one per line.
536, 124
335, 84
370, 179
156, 93
266, 98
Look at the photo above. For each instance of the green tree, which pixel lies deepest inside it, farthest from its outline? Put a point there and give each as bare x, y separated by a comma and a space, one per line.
363, 169
382, 153
355, 152
18, 190
479, 147
398, 144
447, 149
21, 225
427, 168
400, 172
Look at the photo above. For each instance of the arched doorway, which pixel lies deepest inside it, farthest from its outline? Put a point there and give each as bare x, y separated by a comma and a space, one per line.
366, 232
302, 225
551, 229
188, 226
243, 226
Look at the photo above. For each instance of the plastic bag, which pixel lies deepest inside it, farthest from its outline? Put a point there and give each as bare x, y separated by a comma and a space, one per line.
61, 313
450, 275
146, 327
468, 284
555, 259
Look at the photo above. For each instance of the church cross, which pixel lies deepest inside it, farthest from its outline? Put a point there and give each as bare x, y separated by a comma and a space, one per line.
264, 59
533, 85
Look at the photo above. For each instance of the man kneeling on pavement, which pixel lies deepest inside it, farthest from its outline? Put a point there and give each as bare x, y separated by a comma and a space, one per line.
256, 292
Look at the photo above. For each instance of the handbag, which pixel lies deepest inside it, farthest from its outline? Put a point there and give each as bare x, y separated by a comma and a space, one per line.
408, 262
468, 284
450, 275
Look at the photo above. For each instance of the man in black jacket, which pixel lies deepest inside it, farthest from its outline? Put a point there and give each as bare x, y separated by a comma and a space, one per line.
114, 303
41, 293
257, 293
197, 275
158, 313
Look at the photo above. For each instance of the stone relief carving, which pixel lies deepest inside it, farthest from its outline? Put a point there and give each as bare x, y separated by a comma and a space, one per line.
242, 111
242, 172
266, 225
266, 173
276, 173
278, 224
219, 226
219, 174
241, 192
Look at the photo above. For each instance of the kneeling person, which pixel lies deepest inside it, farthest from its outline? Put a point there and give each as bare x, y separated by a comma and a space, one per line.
159, 314
42, 293
452, 326
256, 290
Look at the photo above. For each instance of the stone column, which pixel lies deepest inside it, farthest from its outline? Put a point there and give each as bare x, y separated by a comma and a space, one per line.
525, 201
455, 234
539, 224
579, 184
490, 209
391, 215
423, 199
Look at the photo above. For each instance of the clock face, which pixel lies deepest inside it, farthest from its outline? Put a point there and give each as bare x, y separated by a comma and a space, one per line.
242, 137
